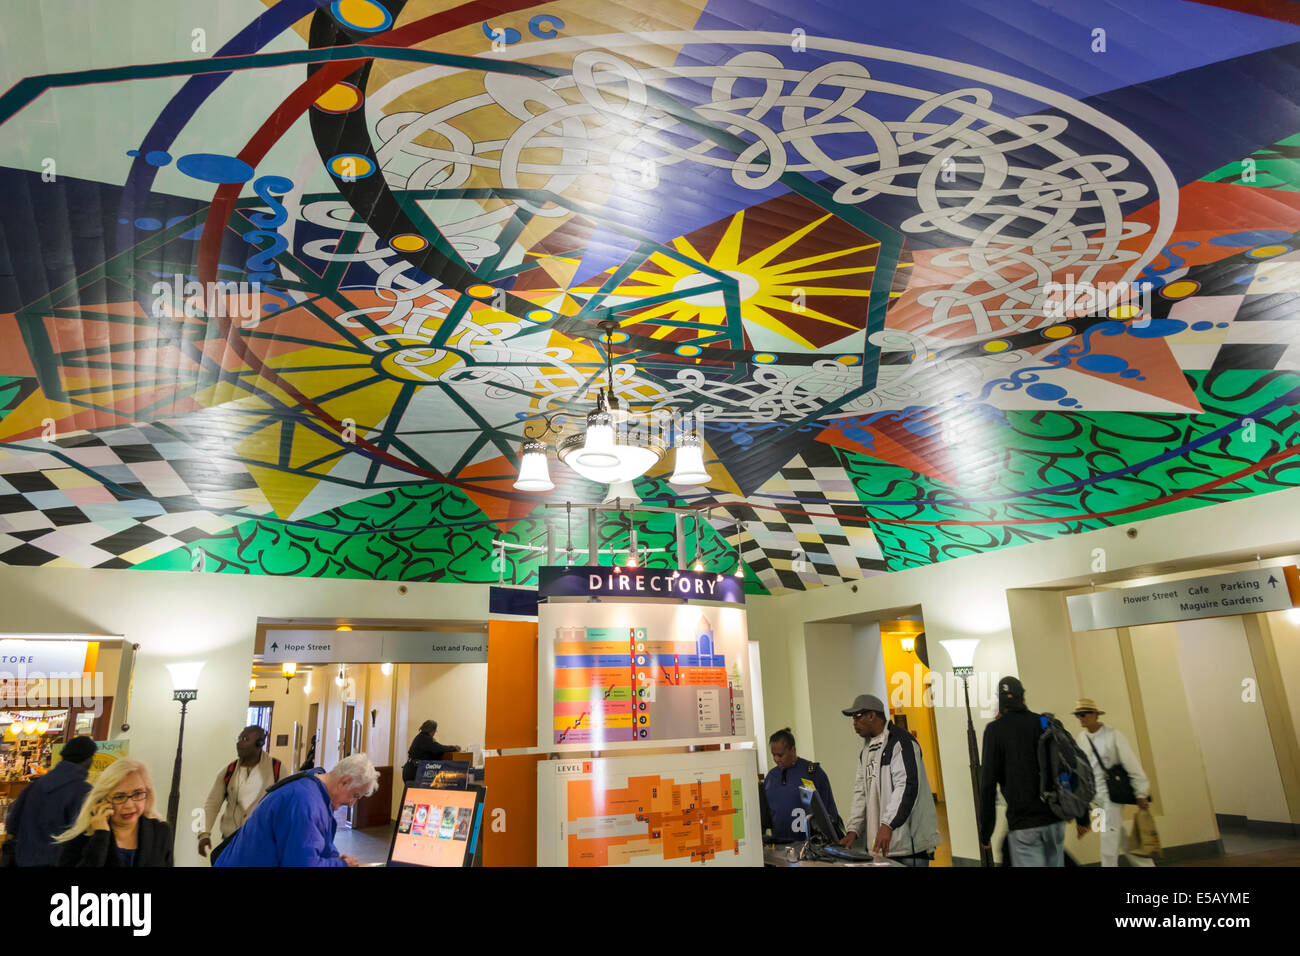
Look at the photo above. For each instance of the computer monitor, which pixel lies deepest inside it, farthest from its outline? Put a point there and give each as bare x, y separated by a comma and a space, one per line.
821, 827
437, 827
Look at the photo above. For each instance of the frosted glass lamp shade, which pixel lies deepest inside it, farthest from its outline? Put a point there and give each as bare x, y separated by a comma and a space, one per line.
598, 449
689, 467
185, 675
534, 473
288, 669
962, 652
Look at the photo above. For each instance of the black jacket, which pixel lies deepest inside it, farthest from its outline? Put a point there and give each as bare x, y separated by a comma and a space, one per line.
423, 747
98, 848
1010, 759
47, 807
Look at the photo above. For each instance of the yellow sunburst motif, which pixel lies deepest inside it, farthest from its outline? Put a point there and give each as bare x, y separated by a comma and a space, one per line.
776, 296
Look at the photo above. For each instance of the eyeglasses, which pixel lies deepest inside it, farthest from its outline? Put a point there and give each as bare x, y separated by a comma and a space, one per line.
137, 796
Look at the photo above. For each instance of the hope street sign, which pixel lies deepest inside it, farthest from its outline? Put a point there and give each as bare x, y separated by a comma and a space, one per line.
1219, 595
375, 647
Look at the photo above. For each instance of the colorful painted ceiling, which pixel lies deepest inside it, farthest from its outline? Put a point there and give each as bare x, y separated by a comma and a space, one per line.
284, 283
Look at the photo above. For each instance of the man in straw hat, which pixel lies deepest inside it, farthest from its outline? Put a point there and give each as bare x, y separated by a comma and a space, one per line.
1106, 748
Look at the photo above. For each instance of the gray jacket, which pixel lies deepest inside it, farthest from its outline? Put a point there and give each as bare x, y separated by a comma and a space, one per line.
906, 803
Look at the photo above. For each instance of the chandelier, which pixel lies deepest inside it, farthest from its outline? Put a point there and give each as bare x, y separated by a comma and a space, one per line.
615, 447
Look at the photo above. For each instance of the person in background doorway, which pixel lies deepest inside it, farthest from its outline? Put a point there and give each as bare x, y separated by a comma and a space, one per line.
294, 824
892, 802
1105, 747
118, 825
782, 787
424, 747
240, 786
47, 807
1010, 759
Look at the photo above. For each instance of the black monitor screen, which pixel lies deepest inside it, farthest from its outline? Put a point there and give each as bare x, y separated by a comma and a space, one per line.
820, 823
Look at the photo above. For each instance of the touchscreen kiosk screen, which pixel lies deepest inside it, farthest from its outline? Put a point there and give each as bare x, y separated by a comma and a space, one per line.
433, 828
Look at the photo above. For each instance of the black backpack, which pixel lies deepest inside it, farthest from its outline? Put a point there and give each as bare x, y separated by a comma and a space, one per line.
1065, 779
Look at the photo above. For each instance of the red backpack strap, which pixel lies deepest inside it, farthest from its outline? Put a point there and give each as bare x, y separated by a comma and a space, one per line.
275, 769
230, 772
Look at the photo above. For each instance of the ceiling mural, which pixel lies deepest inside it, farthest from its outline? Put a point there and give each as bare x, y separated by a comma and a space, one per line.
286, 284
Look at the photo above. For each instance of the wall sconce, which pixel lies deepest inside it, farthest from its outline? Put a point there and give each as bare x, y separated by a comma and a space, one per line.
288, 670
909, 644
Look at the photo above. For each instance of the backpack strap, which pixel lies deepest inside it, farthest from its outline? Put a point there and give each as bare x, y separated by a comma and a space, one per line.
275, 769
230, 772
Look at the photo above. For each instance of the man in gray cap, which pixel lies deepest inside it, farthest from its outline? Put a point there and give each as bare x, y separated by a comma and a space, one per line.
892, 802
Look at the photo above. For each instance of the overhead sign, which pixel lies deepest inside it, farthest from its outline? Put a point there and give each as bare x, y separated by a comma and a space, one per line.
637, 583
1218, 595
25, 658
375, 647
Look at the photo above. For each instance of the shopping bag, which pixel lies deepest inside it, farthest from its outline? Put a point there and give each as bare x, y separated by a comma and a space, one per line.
1145, 839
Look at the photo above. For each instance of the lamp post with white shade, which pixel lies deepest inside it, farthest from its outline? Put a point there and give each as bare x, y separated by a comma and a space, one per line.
962, 654
185, 684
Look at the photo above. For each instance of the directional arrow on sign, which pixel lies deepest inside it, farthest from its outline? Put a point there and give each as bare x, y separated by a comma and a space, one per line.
1272, 580
274, 646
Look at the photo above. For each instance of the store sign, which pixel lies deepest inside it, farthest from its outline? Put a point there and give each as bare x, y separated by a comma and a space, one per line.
1218, 595
21, 658
375, 647
637, 583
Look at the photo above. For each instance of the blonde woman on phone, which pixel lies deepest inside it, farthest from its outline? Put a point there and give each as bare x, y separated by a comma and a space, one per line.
118, 825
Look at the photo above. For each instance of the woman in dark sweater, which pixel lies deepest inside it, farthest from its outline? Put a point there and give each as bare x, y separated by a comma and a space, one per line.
117, 825
424, 747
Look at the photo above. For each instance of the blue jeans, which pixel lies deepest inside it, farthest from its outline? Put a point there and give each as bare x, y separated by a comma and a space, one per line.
1038, 846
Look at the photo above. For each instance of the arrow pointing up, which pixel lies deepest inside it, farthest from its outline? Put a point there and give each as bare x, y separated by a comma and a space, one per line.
275, 647
1272, 580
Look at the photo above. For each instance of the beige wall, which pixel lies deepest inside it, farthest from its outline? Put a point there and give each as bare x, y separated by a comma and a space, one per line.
1284, 628
1240, 764
178, 616
843, 661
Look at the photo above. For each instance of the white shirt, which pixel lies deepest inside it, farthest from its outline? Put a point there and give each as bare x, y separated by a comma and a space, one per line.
247, 786
1113, 747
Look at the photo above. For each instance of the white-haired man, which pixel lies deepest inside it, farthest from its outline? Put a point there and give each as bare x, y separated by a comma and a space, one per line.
294, 823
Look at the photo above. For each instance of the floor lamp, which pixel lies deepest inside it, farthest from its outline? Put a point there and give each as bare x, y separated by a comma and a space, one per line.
185, 682
962, 653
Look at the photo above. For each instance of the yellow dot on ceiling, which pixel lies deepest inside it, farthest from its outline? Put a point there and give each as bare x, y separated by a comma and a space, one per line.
848, 359
617, 337
997, 345
481, 291
409, 242
1267, 252
764, 358
1058, 331
351, 166
339, 98
362, 14
1180, 289
688, 350
1126, 311
541, 315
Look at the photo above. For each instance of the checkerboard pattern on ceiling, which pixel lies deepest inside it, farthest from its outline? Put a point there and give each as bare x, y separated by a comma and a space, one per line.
150, 495
793, 549
1242, 316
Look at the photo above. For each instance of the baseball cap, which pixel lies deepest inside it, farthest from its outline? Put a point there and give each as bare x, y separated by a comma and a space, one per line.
865, 702
1010, 688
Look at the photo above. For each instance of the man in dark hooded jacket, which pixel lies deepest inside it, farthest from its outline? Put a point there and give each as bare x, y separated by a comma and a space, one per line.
49, 805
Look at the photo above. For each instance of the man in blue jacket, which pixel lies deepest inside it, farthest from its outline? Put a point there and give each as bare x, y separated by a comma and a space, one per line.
294, 824
49, 805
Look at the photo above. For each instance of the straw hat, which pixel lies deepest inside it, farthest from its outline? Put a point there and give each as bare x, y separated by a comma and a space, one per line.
1087, 703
